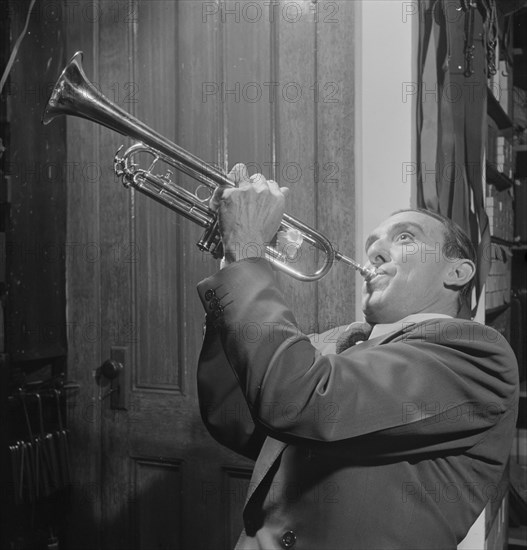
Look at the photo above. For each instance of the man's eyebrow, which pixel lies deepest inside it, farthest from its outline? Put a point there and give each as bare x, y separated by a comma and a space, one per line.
394, 229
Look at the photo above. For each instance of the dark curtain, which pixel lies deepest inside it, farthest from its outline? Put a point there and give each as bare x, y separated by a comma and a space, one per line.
456, 49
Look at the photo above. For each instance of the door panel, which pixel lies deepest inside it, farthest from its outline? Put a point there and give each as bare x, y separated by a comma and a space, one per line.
157, 291
220, 85
335, 156
153, 529
242, 91
297, 143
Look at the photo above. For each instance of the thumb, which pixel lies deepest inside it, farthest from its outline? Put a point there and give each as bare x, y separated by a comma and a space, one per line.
285, 191
238, 174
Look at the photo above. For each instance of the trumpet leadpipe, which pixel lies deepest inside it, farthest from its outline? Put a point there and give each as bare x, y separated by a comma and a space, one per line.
364, 271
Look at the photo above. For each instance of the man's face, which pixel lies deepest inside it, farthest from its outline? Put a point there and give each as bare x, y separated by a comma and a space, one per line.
406, 251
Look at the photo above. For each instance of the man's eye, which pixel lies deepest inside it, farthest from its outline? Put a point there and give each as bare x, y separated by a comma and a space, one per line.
404, 237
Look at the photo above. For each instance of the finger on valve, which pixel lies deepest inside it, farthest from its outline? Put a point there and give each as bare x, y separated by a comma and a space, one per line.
237, 175
276, 189
258, 180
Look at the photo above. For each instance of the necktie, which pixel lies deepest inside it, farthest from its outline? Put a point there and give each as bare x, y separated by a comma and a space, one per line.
356, 332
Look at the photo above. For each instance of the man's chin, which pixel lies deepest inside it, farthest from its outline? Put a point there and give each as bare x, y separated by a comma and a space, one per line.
371, 318
371, 312
377, 313
382, 318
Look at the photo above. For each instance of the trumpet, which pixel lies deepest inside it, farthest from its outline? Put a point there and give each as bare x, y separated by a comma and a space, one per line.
74, 94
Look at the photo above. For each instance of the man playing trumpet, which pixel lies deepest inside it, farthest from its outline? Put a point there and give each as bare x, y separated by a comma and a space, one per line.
395, 442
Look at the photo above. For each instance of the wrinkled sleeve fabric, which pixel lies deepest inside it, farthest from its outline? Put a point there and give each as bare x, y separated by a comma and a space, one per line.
441, 383
223, 406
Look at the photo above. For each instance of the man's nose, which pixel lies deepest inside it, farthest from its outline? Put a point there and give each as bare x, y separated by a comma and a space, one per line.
378, 253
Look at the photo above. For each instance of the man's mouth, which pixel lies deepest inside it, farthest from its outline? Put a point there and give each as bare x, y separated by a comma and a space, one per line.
379, 273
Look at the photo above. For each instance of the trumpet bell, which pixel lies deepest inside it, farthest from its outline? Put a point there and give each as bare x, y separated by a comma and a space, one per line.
64, 96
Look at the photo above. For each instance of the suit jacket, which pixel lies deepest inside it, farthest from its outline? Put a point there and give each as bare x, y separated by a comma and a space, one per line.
398, 442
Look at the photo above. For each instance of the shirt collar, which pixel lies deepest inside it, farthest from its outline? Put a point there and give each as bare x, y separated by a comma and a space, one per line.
386, 328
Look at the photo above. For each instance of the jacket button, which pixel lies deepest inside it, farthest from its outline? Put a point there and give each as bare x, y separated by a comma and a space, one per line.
214, 303
217, 313
288, 539
209, 294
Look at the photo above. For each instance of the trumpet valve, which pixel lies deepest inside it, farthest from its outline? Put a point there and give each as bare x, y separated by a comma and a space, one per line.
288, 243
119, 166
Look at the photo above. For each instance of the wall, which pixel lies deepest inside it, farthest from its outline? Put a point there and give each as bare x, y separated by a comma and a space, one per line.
384, 125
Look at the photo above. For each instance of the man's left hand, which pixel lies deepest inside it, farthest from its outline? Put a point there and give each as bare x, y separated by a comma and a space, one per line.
249, 215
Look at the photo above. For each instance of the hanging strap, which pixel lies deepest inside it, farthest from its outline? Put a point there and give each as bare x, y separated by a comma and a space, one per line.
14, 53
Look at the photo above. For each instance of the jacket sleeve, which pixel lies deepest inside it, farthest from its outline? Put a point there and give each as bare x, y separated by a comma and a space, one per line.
442, 383
223, 406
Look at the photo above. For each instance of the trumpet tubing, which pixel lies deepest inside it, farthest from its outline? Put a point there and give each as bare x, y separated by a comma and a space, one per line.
75, 95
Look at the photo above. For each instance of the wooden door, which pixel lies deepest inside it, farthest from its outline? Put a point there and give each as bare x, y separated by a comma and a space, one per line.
265, 83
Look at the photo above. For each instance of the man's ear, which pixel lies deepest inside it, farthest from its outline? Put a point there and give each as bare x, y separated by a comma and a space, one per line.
461, 271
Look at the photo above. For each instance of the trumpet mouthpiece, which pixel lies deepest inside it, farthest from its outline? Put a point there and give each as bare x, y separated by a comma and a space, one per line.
367, 273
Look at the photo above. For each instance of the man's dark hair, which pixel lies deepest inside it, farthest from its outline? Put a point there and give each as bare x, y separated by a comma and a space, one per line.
456, 245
